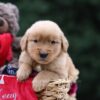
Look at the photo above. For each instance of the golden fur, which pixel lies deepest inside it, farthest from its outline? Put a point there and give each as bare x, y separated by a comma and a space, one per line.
47, 38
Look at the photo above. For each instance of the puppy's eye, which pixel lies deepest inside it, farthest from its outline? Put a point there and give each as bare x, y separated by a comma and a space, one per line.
35, 41
53, 42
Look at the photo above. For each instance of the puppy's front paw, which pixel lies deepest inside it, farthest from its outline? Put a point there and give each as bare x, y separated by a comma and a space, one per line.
38, 85
22, 75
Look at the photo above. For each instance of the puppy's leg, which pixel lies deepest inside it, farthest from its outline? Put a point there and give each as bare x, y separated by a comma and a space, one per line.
25, 66
23, 72
42, 79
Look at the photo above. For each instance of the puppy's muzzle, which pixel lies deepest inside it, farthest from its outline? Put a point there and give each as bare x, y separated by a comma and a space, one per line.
43, 55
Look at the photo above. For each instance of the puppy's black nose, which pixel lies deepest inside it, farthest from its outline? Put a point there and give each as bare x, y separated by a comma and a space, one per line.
43, 55
1, 22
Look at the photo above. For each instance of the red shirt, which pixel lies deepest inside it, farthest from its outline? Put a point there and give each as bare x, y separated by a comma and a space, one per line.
11, 89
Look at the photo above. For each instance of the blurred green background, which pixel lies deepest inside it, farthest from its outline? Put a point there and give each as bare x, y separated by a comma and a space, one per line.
80, 21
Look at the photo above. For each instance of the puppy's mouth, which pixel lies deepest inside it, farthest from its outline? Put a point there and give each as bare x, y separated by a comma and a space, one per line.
43, 61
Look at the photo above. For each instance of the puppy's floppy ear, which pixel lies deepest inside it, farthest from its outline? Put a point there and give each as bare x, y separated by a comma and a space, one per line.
23, 42
65, 43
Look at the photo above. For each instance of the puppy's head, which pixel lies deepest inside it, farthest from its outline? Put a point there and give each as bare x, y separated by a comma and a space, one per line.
44, 41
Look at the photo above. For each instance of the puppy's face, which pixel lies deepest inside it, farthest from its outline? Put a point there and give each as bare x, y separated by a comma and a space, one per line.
44, 47
44, 42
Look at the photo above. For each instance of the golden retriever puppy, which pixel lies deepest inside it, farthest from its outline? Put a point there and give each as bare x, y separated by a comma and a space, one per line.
44, 44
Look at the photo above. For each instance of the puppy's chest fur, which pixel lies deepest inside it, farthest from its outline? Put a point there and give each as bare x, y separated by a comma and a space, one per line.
58, 66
